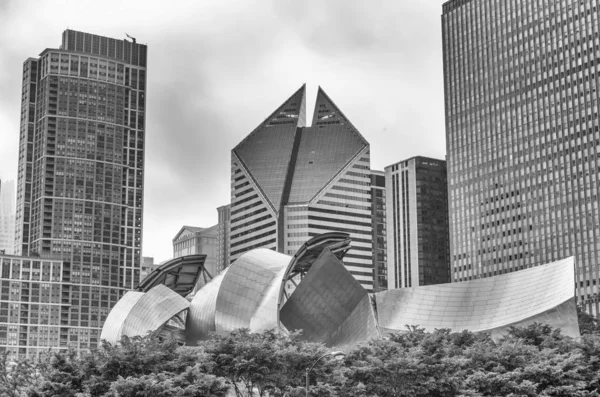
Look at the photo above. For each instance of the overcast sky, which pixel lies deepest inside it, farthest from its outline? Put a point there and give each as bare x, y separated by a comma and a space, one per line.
217, 68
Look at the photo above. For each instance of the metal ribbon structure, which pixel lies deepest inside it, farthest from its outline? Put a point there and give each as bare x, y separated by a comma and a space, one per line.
314, 292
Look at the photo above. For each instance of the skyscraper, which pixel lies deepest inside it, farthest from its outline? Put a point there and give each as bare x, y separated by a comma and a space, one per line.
7, 216
81, 175
291, 182
523, 143
417, 219
378, 203
223, 236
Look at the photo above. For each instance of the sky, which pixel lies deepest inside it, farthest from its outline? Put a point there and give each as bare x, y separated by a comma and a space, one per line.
217, 69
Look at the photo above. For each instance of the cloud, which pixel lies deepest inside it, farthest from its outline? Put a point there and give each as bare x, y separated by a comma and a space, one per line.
216, 69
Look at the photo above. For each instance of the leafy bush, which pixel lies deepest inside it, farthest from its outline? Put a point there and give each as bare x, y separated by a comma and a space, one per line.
530, 361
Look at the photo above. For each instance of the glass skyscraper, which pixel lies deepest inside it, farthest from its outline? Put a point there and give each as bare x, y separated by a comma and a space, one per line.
417, 219
523, 142
80, 181
7, 216
290, 182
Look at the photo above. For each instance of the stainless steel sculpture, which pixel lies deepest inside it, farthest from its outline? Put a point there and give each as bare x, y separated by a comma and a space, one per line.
544, 294
183, 275
314, 292
250, 293
143, 313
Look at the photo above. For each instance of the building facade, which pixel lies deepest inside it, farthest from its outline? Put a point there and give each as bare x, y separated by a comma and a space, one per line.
81, 172
523, 142
146, 267
192, 240
33, 311
417, 219
223, 236
291, 182
7, 217
378, 202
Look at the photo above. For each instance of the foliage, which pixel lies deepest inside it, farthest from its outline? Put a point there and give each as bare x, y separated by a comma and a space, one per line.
270, 362
529, 361
588, 324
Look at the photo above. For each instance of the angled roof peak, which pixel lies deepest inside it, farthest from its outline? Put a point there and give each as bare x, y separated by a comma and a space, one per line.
328, 113
266, 151
293, 109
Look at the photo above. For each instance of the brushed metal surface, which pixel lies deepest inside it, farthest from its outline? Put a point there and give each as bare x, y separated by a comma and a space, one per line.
482, 304
325, 299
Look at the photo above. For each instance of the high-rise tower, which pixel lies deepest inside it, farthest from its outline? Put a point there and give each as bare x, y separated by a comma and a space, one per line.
523, 143
7, 216
81, 175
291, 182
417, 220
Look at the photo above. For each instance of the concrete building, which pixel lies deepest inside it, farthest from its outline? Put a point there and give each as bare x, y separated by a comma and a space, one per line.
378, 202
81, 173
192, 240
33, 308
223, 236
523, 140
147, 267
417, 219
7, 217
291, 182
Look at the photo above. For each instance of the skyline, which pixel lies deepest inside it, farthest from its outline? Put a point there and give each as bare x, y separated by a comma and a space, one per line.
382, 64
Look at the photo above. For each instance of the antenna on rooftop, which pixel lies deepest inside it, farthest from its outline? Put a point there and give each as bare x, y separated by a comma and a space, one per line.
132, 38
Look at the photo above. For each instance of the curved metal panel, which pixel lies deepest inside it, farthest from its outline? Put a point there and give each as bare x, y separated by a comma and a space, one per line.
179, 274
480, 305
325, 300
359, 326
153, 310
251, 287
338, 243
200, 320
111, 330
563, 316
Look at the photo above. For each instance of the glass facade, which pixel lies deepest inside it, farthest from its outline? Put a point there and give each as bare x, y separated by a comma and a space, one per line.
81, 172
523, 141
7, 217
417, 218
380, 282
290, 183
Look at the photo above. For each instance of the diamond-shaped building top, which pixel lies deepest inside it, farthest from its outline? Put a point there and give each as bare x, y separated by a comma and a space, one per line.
266, 152
291, 182
325, 149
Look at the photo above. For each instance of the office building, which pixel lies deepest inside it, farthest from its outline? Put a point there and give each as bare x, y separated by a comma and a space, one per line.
146, 267
34, 312
417, 219
291, 182
7, 217
223, 236
81, 173
192, 240
523, 143
378, 201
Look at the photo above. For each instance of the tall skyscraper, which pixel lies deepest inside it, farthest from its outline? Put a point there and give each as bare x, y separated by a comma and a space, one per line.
523, 143
7, 216
223, 237
81, 175
417, 223
291, 182
378, 203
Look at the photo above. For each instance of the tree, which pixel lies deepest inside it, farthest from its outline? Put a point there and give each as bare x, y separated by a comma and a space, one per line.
268, 363
17, 377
